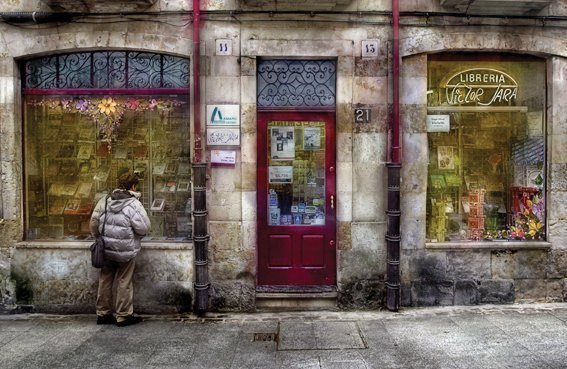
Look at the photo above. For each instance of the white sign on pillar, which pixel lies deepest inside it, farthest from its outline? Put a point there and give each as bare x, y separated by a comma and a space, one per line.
223, 47
369, 48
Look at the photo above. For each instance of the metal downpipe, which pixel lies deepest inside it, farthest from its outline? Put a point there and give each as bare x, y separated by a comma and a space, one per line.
201, 238
200, 232
393, 212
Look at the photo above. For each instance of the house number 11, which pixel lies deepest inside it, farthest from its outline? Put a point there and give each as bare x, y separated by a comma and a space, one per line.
223, 47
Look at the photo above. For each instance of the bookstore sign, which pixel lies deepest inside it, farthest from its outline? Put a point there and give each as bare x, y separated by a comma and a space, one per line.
480, 87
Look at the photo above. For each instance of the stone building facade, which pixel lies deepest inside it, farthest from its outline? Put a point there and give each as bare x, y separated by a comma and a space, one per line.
53, 273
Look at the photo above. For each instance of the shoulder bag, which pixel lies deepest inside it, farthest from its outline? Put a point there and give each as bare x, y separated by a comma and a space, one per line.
97, 248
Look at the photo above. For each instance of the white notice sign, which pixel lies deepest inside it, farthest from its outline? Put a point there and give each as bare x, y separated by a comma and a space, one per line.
223, 157
280, 174
438, 123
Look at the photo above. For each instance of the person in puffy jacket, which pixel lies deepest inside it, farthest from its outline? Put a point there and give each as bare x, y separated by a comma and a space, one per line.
127, 222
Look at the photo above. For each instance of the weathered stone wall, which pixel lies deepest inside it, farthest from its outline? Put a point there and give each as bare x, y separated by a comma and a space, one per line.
52, 277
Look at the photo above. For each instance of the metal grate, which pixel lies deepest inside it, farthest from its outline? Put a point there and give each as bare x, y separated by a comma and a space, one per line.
107, 69
296, 83
265, 337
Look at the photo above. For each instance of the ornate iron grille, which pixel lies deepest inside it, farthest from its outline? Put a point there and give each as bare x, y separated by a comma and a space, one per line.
296, 83
107, 69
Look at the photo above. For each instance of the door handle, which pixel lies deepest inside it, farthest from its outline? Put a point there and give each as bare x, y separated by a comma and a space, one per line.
332, 202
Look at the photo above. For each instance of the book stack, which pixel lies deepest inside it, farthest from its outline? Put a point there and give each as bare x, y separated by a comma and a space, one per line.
438, 225
476, 214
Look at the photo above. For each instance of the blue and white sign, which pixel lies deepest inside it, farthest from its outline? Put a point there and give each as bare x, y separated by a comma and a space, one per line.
223, 115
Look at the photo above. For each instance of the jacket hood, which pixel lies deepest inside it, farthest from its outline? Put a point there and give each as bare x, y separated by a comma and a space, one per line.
119, 200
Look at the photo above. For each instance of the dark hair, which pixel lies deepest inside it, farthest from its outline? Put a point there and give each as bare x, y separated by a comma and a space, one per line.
127, 180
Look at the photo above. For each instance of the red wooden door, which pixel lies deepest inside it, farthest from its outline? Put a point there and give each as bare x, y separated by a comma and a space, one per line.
296, 199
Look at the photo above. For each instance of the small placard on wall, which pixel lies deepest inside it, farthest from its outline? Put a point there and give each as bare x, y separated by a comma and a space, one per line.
362, 115
438, 123
223, 157
223, 47
369, 48
223, 115
226, 136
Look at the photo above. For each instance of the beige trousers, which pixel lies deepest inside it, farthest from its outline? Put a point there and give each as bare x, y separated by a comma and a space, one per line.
122, 274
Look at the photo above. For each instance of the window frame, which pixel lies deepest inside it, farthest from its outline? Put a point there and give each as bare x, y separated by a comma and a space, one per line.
432, 109
181, 92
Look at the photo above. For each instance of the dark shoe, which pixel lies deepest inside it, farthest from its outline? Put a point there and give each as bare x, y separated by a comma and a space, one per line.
132, 319
106, 319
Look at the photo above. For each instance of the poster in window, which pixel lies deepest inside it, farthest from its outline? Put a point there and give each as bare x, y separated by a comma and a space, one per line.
280, 174
311, 138
445, 157
157, 205
282, 143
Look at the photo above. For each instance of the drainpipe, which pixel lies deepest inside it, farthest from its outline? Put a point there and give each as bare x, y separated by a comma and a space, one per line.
394, 167
35, 17
200, 234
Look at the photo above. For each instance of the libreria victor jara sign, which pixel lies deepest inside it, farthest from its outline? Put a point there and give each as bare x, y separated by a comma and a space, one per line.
480, 86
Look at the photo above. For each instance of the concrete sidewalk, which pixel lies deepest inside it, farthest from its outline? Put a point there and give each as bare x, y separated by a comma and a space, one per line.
509, 336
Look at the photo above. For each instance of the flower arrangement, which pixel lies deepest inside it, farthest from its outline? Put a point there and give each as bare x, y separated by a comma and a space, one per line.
528, 222
108, 111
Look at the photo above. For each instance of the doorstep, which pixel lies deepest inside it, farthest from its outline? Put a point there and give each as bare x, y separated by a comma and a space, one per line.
293, 298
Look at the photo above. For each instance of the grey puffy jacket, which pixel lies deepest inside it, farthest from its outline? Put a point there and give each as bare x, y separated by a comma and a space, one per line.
127, 222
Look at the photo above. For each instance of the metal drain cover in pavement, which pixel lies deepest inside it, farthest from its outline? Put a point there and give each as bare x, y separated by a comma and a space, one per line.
264, 337
320, 335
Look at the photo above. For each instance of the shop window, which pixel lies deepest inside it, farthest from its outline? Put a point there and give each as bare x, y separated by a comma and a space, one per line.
486, 142
77, 143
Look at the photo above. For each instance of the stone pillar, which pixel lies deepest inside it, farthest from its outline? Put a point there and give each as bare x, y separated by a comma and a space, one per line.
10, 170
557, 180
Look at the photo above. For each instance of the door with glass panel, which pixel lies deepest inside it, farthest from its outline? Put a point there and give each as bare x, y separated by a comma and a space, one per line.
296, 199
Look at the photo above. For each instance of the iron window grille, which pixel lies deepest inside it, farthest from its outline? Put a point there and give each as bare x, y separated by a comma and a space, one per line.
296, 83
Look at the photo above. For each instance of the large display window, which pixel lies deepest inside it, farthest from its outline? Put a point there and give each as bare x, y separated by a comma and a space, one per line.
90, 117
74, 156
486, 142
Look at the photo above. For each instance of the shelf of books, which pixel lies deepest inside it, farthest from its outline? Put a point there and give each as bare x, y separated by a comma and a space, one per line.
70, 167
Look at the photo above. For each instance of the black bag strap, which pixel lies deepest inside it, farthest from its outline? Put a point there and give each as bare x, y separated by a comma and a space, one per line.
105, 205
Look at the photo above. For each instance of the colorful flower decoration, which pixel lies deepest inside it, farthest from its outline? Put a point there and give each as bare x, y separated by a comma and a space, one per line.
528, 222
108, 111
107, 106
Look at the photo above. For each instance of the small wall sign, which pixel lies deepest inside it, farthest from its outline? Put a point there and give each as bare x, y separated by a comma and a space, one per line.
369, 48
223, 136
223, 47
223, 157
438, 123
362, 115
223, 115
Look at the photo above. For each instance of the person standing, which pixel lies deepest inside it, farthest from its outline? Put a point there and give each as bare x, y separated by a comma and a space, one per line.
127, 222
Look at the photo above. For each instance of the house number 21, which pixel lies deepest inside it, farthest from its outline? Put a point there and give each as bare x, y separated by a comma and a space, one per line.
362, 115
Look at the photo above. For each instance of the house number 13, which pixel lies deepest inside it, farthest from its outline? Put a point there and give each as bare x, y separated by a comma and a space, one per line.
369, 48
